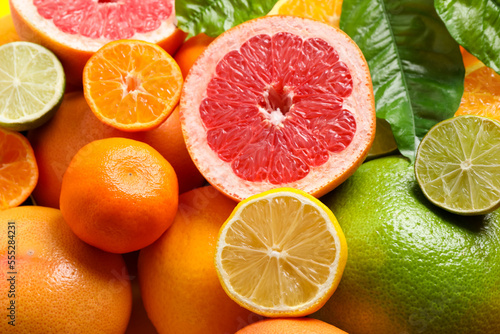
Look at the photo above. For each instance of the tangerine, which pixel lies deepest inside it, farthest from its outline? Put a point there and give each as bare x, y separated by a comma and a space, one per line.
119, 194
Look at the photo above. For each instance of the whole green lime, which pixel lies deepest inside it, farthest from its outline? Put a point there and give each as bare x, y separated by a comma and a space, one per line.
412, 267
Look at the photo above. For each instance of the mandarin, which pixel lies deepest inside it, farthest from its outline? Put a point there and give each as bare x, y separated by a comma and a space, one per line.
132, 85
190, 51
18, 169
119, 194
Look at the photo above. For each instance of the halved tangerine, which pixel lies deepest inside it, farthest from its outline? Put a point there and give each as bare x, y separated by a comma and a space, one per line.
278, 101
132, 85
18, 169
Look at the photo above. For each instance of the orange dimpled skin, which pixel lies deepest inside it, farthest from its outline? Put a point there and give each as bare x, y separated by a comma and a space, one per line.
190, 51
119, 194
291, 326
61, 285
179, 284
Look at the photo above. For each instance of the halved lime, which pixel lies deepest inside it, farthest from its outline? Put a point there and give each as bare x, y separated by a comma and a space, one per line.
32, 85
384, 142
458, 165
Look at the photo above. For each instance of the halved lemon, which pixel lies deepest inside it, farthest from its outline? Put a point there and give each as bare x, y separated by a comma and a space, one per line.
281, 253
327, 11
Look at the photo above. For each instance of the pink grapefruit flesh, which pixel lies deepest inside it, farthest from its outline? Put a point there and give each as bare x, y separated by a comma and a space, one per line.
278, 101
111, 19
295, 119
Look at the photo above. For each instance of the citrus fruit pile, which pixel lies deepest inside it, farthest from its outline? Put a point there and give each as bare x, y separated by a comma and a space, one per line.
240, 183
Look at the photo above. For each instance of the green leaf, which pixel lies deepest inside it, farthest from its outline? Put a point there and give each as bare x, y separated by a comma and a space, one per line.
213, 17
475, 25
415, 64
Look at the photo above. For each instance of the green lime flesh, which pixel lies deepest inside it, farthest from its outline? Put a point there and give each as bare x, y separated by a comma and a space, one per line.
413, 268
458, 165
32, 83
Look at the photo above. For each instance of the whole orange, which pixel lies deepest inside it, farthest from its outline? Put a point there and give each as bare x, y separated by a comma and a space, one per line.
119, 194
190, 50
61, 284
179, 284
290, 326
74, 125
168, 140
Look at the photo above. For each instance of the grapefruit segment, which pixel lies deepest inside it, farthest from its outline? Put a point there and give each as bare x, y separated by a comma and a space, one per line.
278, 101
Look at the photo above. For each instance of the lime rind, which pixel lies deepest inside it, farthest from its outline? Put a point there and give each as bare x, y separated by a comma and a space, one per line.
32, 84
458, 165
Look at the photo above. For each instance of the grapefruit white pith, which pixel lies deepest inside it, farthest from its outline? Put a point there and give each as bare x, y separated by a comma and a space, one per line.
278, 101
75, 29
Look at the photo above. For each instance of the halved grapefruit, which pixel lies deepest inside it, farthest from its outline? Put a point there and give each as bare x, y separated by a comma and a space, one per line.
75, 29
279, 101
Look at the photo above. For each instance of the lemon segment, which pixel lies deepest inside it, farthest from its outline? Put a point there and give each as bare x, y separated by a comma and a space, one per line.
327, 11
458, 165
281, 253
32, 83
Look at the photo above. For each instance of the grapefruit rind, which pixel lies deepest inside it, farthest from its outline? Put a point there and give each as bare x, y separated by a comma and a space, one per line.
336, 267
360, 103
27, 10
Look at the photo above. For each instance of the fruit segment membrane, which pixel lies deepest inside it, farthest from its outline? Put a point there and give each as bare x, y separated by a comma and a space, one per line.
274, 108
111, 19
16, 167
279, 265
